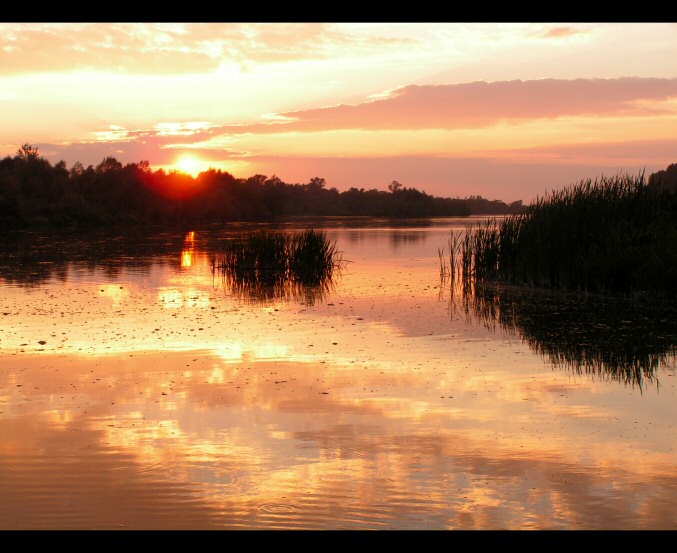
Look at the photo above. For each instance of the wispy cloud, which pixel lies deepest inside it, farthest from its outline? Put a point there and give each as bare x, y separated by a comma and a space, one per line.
480, 104
561, 32
148, 49
173, 48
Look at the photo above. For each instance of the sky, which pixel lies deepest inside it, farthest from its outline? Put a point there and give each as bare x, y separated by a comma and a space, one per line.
507, 111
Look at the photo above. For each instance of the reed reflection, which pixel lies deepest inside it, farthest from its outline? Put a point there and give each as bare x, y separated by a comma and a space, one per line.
252, 291
265, 265
617, 338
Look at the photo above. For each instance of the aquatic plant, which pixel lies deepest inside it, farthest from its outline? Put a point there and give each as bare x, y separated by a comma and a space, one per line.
614, 234
268, 263
256, 256
452, 268
311, 256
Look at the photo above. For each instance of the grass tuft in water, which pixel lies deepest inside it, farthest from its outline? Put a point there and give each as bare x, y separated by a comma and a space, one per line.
265, 260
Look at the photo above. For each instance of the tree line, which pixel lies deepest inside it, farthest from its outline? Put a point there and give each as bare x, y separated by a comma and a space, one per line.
33, 192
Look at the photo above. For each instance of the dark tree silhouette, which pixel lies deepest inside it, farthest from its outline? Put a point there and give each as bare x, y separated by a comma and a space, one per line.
27, 152
33, 192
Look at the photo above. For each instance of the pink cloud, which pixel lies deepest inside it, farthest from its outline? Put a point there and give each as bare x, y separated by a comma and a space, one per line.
479, 104
561, 32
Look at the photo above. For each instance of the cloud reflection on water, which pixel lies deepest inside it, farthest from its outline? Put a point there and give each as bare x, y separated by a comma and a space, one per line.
371, 409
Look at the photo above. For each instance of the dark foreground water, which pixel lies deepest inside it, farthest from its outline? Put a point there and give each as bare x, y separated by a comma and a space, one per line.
140, 390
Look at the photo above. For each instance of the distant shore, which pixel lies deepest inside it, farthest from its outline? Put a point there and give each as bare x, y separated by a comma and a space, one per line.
35, 193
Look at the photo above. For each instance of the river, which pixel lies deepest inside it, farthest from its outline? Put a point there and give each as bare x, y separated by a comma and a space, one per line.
140, 390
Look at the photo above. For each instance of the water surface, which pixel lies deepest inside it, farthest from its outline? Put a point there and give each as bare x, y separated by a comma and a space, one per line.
140, 391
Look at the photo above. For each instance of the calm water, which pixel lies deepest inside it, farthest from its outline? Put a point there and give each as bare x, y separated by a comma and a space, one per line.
139, 390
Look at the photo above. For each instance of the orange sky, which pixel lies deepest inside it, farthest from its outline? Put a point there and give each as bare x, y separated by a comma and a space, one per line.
503, 110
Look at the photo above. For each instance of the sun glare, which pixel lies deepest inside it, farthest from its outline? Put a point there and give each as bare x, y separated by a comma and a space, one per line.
190, 165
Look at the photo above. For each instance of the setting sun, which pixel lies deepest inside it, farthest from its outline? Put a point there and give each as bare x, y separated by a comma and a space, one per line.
191, 165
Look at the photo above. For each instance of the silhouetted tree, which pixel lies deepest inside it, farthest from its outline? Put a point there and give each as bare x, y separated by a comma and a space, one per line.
395, 186
33, 192
317, 183
27, 152
108, 165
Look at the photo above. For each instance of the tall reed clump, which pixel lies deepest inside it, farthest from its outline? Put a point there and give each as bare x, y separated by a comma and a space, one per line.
312, 257
449, 261
273, 258
613, 234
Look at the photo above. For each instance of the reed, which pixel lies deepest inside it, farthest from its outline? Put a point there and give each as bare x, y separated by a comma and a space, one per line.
449, 266
312, 258
613, 234
275, 260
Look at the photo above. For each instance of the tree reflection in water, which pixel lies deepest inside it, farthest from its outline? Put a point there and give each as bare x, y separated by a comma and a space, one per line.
31, 258
616, 338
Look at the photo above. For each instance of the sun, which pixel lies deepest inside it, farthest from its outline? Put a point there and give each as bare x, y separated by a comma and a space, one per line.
190, 165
